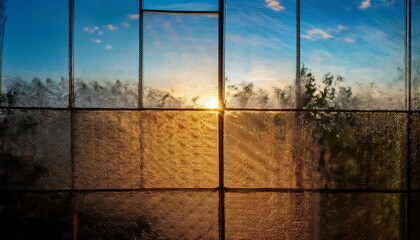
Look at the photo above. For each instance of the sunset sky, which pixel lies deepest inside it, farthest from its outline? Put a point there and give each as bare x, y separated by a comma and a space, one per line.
361, 39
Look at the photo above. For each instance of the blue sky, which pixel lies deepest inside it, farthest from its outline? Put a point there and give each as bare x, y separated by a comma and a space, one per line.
361, 39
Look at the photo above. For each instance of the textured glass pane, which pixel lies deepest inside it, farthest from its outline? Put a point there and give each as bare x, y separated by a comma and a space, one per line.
180, 60
107, 149
106, 53
181, 5
415, 151
414, 218
260, 53
315, 149
362, 216
180, 149
415, 41
34, 44
35, 216
35, 149
272, 215
358, 44
148, 215
127, 149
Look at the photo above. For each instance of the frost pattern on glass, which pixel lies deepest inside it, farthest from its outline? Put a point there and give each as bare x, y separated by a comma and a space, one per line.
180, 149
148, 215
106, 53
270, 215
260, 55
415, 151
107, 149
34, 53
362, 42
316, 149
35, 149
180, 60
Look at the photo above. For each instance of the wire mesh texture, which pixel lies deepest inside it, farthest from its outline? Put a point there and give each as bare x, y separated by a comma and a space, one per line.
189, 119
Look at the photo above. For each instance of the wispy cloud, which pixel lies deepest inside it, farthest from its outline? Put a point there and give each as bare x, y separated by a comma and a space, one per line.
274, 5
133, 16
111, 27
127, 25
96, 40
365, 4
349, 40
92, 30
317, 34
108, 47
341, 28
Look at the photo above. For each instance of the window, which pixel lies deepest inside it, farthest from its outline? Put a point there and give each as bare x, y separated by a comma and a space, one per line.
206, 119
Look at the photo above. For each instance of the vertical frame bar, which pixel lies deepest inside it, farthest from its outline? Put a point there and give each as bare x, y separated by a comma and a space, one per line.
140, 86
75, 218
408, 61
298, 90
221, 96
140, 92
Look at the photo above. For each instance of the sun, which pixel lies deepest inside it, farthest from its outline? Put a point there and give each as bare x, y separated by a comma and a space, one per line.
212, 103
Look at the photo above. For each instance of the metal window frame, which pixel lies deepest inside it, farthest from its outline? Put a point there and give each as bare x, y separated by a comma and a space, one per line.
221, 189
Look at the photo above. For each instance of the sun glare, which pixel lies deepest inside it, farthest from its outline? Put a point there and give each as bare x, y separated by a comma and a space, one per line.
212, 103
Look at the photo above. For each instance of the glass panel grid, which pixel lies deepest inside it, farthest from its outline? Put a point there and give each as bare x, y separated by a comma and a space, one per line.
302, 219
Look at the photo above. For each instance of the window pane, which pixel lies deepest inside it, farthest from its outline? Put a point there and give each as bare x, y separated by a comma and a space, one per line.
270, 215
180, 60
363, 42
415, 54
35, 216
414, 218
415, 151
34, 38
128, 149
316, 149
106, 53
180, 149
260, 53
148, 215
181, 5
35, 149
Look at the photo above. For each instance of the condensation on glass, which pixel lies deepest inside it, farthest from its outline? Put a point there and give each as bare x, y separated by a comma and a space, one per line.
315, 150
274, 215
260, 54
35, 149
148, 215
106, 53
34, 46
128, 149
180, 60
363, 42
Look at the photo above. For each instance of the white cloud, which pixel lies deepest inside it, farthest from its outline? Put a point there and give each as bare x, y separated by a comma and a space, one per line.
100, 32
108, 47
349, 40
88, 30
133, 16
341, 28
274, 5
111, 27
316, 34
96, 40
96, 28
127, 25
365, 4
